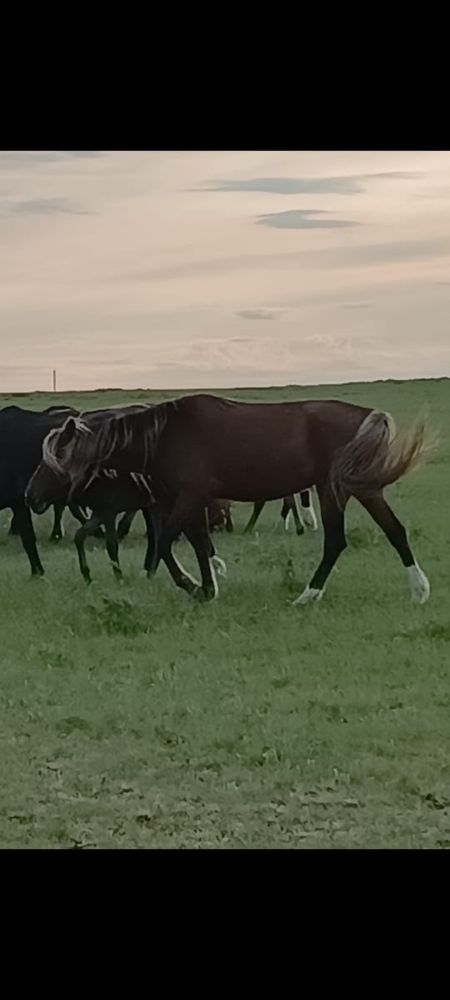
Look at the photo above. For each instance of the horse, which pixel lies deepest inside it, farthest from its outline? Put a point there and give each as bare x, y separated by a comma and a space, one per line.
107, 495
21, 435
305, 518
200, 447
219, 516
57, 532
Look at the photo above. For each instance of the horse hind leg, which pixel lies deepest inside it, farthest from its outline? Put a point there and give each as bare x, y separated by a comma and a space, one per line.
334, 543
395, 532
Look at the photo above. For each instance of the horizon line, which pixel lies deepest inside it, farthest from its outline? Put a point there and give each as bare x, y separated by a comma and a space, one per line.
243, 388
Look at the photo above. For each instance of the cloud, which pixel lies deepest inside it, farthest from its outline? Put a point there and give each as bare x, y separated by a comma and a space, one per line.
357, 255
33, 157
302, 219
41, 206
259, 313
356, 305
349, 185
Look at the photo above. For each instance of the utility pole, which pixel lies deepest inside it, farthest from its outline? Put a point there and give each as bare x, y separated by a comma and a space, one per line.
54, 380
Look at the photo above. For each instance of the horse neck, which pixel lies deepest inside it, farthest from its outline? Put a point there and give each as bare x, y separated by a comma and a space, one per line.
136, 438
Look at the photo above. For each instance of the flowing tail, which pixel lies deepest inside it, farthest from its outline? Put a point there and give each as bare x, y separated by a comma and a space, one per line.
376, 456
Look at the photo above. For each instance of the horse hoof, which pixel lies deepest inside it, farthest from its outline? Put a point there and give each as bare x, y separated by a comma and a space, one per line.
309, 520
220, 565
199, 595
309, 594
419, 584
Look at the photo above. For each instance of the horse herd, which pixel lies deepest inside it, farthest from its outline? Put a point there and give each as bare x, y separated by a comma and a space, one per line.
176, 462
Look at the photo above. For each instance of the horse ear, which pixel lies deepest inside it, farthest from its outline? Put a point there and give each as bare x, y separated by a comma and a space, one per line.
68, 431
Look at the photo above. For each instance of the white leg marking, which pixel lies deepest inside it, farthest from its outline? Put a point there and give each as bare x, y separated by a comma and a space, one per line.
220, 565
419, 585
308, 518
213, 574
185, 572
309, 594
287, 520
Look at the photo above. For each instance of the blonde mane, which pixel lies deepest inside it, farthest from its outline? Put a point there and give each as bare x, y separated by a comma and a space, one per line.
95, 444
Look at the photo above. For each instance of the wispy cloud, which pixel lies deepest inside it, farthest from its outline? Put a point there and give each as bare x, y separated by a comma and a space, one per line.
356, 305
302, 219
259, 313
33, 157
41, 206
350, 184
358, 255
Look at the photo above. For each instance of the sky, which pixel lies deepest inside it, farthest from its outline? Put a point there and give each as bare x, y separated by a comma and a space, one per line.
222, 269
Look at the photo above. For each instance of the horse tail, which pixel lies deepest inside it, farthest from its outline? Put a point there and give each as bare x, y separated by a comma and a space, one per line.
376, 457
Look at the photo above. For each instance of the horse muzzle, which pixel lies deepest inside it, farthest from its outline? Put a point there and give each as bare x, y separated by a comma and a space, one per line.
37, 505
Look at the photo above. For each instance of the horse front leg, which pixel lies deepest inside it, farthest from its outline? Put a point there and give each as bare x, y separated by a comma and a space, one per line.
290, 509
153, 555
125, 523
189, 515
90, 527
57, 530
26, 530
112, 545
257, 508
198, 535
14, 528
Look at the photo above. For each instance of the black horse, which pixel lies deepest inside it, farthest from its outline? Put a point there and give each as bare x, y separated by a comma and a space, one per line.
218, 511
21, 435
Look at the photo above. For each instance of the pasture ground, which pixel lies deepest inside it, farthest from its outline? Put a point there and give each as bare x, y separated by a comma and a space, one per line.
131, 716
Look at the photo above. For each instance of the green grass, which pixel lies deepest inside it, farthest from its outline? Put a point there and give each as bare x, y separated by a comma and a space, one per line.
131, 716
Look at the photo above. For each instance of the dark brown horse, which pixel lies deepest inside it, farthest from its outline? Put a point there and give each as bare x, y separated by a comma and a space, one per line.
202, 447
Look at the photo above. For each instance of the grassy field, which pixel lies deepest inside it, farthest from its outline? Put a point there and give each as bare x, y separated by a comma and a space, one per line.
132, 716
